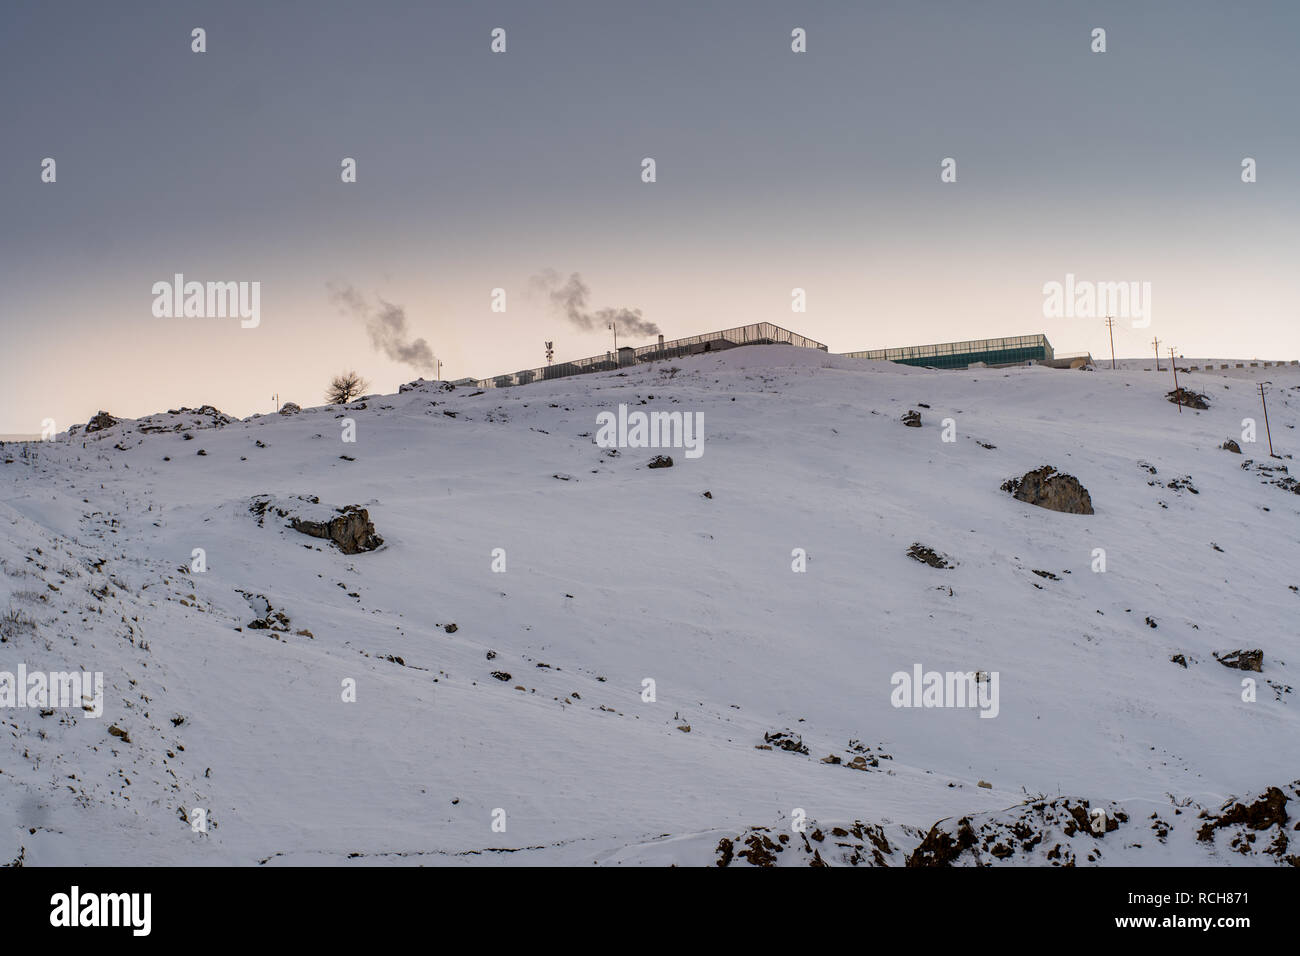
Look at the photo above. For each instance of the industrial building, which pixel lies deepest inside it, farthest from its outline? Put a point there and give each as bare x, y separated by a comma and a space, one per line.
760, 333
1016, 350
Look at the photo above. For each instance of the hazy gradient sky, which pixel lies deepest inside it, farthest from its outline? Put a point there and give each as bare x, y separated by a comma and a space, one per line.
479, 170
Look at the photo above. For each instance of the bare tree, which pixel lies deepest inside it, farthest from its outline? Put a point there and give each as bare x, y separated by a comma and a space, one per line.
345, 388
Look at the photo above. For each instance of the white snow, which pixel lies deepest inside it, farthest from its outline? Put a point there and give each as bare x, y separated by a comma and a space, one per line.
623, 573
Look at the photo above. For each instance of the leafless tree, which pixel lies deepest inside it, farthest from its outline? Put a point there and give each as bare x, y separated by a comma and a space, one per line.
345, 388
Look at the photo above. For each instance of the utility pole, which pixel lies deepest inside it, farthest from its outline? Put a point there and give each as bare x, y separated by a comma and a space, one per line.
1266, 431
437, 370
550, 352
1156, 344
1110, 324
1177, 396
276, 398
613, 327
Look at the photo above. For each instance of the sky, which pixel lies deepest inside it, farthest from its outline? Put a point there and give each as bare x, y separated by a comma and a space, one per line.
479, 170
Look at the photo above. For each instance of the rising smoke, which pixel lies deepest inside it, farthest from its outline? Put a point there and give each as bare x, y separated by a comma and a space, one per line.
386, 327
570, 298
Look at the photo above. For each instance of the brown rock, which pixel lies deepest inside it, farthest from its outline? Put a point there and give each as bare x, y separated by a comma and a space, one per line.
1190, 399
352, 530
101, 421
1269, 810
1046, 488
926, 555
1242, 660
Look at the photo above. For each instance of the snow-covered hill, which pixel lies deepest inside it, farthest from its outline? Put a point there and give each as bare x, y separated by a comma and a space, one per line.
508, 686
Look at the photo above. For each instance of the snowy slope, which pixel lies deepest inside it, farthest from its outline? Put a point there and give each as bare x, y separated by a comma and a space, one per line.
616, 573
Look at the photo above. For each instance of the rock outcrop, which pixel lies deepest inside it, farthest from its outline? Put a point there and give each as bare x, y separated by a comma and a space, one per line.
348, 527
1242, 660
100, 422
352, 530
1188, 398
926, 555
1046, 488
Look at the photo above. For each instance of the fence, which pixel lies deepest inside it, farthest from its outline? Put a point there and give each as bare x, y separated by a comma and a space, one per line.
1209, 366
1004, 351
759, 333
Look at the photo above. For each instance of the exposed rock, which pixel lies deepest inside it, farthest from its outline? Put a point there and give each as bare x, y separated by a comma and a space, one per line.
1046, 488
101, 421
786, 741
352, 530
660, 461
919, 552
1189, 399
940, 849
349, 527
1242, 660
1269, 810
760, 850
912, 419
1180, 660
855, 844
290, 408
725, 851
428, 385
215, 416
1231, 446
268, 618
1275, 474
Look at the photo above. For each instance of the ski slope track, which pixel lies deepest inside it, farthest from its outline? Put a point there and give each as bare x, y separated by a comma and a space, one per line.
224, 688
